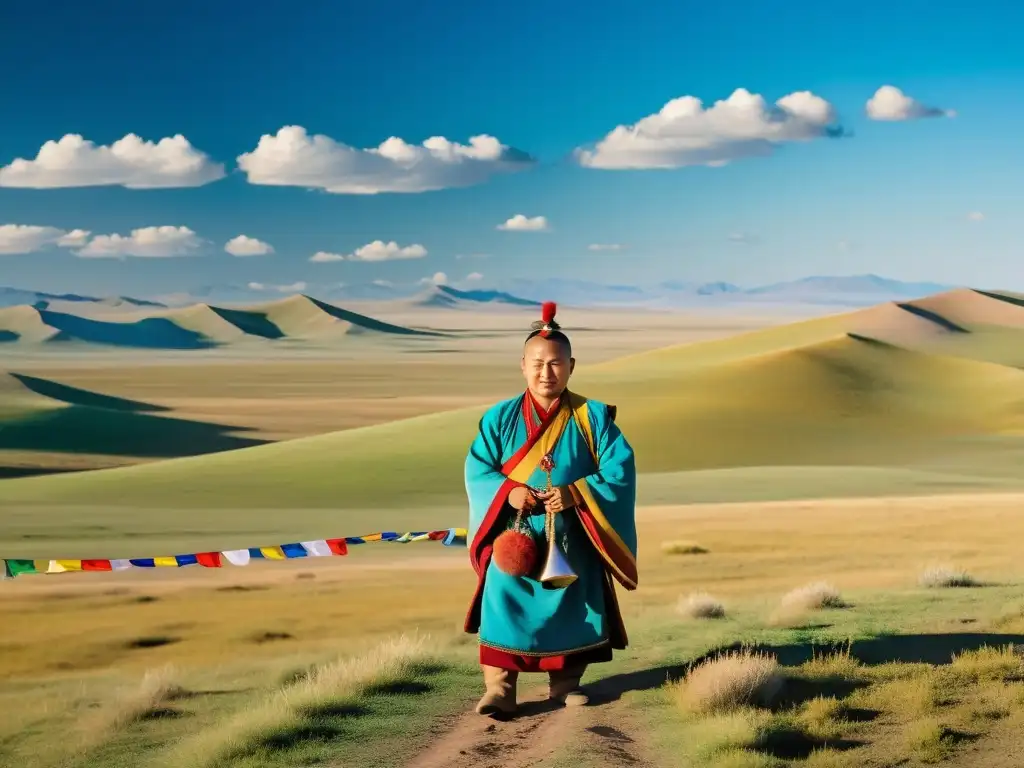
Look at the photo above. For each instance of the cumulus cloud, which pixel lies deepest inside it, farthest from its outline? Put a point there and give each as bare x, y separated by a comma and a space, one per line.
438, 278
131, 162
325, 256
889, 103
76, 238
293, 288
378, 250
256, 286
474, 277
384, 283
147, 242
605, 247
521, 223
293, 158
28, 238
976, 216
244, 245
684, 133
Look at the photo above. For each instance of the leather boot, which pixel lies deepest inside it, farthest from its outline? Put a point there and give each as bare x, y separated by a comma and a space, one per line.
564, 687
500, 691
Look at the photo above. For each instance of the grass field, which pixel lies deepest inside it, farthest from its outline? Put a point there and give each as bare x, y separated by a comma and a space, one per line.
811, 491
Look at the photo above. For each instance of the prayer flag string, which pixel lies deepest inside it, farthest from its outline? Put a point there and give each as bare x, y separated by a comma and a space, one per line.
450, 537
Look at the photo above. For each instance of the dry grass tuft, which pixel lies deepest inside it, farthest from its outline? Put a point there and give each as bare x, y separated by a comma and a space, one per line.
937, 576
729, 681
149, 698
838, 665
326, 688
682, 548
812, 597
987, 664
700, 605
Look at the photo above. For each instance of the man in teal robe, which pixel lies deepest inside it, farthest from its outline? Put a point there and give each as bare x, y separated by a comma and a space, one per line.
523, 624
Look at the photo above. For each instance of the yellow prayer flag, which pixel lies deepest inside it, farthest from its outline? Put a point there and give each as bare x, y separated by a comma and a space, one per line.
273, 553
69, 565
165, 562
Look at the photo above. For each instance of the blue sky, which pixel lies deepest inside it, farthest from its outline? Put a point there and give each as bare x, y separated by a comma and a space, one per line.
892, 197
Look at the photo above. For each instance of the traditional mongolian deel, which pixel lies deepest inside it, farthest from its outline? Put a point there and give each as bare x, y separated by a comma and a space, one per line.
522, 625
450, 537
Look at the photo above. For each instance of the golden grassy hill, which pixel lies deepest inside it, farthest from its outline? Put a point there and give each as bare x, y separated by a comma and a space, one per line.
199, 326
805, 394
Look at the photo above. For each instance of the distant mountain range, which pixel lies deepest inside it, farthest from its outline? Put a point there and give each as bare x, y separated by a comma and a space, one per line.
825, 290
10, 297
446, 296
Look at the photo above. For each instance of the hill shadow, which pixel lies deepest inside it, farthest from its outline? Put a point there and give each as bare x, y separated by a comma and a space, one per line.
369, 323
8, 336
938, 650
75, 396
1017, 302
251, 322
81, 429
933, 317
148, 333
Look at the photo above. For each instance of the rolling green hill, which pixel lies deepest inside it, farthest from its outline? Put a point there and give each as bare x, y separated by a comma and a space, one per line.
200, 326
772, 404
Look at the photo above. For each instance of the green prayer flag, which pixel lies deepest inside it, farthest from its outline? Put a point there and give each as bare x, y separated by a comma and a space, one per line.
18, 567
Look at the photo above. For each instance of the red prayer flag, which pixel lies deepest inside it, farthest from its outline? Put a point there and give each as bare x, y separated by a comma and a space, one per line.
209, 559
96, 565
338, 546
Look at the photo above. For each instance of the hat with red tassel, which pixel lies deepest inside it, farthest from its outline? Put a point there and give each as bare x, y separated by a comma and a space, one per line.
546, 327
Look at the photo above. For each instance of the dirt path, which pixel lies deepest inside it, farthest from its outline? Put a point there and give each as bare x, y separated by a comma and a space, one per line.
604, 733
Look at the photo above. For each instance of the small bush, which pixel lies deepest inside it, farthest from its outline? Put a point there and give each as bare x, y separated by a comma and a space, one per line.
730, 681
812, 597
937, 576
700, 605
682, 548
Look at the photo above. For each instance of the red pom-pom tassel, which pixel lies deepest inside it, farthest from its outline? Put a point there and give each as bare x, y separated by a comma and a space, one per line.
515, 553
547, 311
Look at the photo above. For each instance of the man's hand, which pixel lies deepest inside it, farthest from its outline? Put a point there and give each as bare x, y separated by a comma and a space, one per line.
557, 499
522, 498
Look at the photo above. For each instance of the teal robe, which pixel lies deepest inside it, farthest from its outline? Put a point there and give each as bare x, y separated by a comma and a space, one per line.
518, 615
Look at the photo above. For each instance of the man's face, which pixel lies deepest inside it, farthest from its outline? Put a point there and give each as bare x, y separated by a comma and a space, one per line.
546, 367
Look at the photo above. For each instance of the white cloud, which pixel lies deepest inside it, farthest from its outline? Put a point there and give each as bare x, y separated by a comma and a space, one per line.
474, 277
378, 250
27, 238
605, 247
325, 256
890, 104
129, 162
247, 246
256, 286
684, 133
147, 242
438, 278
976, 216
293, 288
384, 283
293, 158
520, 223
76, 238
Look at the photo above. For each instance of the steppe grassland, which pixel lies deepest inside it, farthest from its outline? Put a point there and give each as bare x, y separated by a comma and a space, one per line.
88, 636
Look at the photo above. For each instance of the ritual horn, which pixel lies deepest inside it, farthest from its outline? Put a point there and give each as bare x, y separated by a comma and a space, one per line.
557, 574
